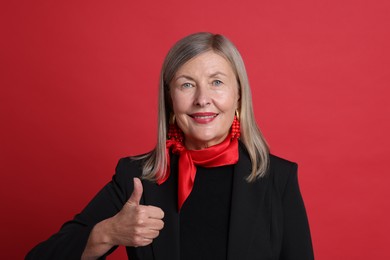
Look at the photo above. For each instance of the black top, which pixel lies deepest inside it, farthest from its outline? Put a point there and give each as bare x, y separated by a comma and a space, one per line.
204, 217
267, 217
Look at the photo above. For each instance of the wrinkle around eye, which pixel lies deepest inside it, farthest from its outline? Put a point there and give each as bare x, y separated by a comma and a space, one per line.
217, 83
187, 85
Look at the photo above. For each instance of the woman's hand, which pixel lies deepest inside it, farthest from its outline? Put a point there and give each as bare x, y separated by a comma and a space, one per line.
135, 225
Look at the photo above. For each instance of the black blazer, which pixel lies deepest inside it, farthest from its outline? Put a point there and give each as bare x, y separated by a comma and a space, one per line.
267, 218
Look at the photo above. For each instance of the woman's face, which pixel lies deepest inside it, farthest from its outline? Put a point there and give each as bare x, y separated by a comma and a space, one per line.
204, 94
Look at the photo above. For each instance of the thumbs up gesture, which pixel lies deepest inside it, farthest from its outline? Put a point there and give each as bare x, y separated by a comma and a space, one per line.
136, 225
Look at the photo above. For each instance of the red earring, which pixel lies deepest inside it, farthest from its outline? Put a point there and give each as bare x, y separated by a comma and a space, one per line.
174, 132
235, 132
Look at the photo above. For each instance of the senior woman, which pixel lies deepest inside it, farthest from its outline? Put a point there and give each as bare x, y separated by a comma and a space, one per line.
209, 190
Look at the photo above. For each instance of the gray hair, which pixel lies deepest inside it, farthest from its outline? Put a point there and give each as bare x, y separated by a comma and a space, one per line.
155, 163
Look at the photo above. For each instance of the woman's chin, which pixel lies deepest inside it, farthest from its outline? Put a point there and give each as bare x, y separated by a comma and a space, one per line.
202, 142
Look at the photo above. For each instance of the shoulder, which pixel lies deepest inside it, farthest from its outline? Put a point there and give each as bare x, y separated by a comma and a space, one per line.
281, 172
128, 168
127, 164
278, 164
279, 169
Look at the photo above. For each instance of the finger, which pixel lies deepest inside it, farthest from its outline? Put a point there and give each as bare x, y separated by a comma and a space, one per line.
141, 241
145, 241
154, 212
137, 192
154, 224
151, 234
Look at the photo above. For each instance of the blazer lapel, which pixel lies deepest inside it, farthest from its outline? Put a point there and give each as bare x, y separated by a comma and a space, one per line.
166, 245
247, 219
248, 213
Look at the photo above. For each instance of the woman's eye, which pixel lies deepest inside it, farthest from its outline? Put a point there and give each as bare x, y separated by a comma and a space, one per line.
186, 85
217, 82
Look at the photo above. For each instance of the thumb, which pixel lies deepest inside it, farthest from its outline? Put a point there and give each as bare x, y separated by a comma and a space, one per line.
137, 192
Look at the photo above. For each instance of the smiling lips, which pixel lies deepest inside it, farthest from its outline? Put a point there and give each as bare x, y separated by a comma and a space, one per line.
203, 118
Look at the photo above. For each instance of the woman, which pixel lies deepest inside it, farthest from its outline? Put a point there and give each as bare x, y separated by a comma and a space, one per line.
209, 190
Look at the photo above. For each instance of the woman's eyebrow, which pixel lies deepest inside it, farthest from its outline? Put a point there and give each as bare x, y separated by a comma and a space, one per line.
184, 77
218, 73
212, 75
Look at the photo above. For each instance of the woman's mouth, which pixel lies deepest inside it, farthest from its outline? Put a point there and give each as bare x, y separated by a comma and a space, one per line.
203, 118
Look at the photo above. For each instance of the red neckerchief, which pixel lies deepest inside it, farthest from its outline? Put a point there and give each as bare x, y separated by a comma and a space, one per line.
225, 153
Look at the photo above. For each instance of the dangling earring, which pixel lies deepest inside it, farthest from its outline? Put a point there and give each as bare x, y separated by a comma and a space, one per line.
172, 119
237, 114
235, 132
174, 132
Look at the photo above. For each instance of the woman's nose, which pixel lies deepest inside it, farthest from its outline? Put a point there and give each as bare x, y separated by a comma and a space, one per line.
202, 96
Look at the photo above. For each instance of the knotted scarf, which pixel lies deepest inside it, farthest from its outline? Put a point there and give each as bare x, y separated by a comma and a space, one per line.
225, 153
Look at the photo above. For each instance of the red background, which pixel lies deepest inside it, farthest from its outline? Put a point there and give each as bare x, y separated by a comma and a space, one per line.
79, 91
